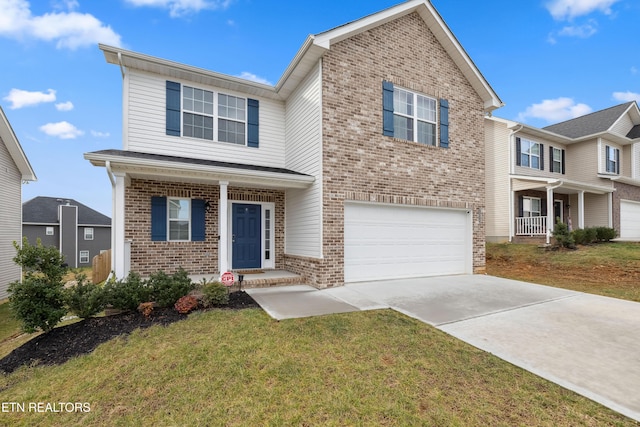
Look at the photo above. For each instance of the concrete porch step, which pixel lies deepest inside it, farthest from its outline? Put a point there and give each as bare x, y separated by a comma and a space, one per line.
258, 279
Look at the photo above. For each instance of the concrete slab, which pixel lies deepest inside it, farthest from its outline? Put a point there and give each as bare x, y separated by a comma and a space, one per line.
288, 302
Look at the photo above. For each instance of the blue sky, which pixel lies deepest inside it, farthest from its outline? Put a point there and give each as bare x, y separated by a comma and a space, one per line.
549, 61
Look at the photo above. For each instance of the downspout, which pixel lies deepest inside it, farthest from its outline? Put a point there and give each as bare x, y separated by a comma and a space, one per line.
511, 171
113, 208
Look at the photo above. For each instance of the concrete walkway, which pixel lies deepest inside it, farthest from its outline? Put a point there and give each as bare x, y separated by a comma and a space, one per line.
586, 343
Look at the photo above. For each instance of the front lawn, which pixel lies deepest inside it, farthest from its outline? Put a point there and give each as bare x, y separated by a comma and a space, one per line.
239, 368
609, 269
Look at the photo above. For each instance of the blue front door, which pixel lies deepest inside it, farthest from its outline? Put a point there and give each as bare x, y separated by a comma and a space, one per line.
246, 239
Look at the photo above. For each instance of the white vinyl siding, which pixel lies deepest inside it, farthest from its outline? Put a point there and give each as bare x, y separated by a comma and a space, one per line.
10, 219
596, 210
497, 169
145, 128
303, 227
582, 163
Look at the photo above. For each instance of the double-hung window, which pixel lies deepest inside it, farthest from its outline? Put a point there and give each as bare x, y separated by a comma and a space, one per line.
231, 119
531, 206
88, 233
179, 219
414, 117
612, 159
84, 257
529, 154
557, 160
197, 113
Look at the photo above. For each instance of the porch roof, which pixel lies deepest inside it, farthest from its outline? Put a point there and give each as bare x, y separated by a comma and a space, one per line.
560, 186
186, 169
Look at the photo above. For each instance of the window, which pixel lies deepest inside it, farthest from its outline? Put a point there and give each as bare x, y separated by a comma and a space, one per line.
612, 159
531, 206
530, 154
231, 121
179, 219
267, 234
414, 117
557, 160
49, 231
197, 115
84, 257
88, 233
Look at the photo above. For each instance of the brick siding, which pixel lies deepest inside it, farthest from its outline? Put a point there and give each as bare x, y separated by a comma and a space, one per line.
623, 192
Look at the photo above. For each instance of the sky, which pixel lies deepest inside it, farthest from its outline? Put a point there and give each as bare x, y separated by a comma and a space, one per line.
548, 60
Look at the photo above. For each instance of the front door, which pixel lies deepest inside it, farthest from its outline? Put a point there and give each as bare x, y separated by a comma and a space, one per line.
246, 238
557, 211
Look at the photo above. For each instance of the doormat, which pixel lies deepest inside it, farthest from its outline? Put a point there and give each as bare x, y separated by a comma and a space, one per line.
249, 271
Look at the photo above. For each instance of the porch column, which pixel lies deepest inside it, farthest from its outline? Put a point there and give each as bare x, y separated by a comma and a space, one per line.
610, 210
581, 209
118, 261
223, 235
550, 219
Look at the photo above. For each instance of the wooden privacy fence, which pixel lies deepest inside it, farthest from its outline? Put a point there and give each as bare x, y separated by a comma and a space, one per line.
101, 265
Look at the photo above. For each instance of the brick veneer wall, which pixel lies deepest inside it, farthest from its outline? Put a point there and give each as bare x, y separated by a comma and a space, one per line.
626, 192
196, 257
359, 163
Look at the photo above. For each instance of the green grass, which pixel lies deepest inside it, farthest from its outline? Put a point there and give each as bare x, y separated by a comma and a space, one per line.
240, 368
9, 326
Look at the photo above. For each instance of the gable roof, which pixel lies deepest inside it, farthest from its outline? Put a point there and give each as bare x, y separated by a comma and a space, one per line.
594, 123
44, 210
310, 52
15, 149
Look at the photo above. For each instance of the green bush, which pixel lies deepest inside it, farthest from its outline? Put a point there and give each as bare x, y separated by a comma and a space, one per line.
605, 234
126, 294
166, 290
563, 236
579, 236
37, 302
85, 299
590, 235
214, 293
40, 260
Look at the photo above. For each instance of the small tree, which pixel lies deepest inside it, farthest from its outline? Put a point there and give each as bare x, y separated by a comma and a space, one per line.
38, 300
563, 236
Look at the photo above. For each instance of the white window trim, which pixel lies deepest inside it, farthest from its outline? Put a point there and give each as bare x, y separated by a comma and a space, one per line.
414, 117
215, 116
80, 257
611, 159
169, 220
553, 161
270, 263
539, 204
48, 231
561, 210
522, 153
85, 233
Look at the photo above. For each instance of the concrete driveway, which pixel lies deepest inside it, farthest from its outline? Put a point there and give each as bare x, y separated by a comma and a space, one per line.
586, 343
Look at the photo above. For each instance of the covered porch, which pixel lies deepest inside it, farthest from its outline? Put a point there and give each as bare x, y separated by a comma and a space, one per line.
537, 204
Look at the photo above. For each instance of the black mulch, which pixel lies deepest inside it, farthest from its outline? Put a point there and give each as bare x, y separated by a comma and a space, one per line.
62, 343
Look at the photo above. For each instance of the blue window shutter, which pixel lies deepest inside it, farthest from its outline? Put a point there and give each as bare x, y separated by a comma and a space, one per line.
197, 220
520, 206
173, 108
518, 152
387, 108
444, 123
543, 207
253, 122
158, 219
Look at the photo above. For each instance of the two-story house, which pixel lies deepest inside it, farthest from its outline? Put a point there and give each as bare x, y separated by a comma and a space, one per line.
584, 172
79, 232
14, 170
363, 162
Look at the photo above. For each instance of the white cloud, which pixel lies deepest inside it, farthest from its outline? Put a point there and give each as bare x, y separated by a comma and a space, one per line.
555, 110
62, 130
626, 96
569, 9
250, 76
97, 134
581, 31
179, 8
64, 106
68, 29
23, 98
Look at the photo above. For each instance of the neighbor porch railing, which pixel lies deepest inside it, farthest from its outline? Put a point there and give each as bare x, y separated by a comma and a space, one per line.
531, 226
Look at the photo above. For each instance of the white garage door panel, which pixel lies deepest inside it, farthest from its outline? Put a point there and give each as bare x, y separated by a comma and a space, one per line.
629, 220
387, 241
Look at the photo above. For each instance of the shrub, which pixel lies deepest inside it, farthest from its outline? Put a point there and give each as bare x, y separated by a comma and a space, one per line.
166, 290
126, 294
85, 299
214, 293
591, 235
605, 234
37, 303
186, 304
579, 236
563, 237
40, 260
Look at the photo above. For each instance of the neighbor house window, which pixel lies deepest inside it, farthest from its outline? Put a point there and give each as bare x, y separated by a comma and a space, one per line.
557, 160
49, 231
88, 233
531, 206
197, 113
530, 154
612, 159
84, 257
179, 219
414, 117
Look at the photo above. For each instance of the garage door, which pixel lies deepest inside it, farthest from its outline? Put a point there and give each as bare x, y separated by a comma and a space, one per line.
391, 241
629, 220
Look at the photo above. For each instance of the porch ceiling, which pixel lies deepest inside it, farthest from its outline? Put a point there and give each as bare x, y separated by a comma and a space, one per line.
182, 169
560, 186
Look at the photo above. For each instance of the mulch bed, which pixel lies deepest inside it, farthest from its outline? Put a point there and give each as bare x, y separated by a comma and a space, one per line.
62, 343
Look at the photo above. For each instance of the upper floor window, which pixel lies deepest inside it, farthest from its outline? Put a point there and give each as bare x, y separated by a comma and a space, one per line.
179, 219
414, 117
557, 159
530, 154
88, 233
213, 116
49, 231
612, 159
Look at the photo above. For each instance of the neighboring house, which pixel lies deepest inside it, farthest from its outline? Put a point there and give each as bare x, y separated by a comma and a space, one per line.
584, 172
14, 170
364, 162
79, 232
